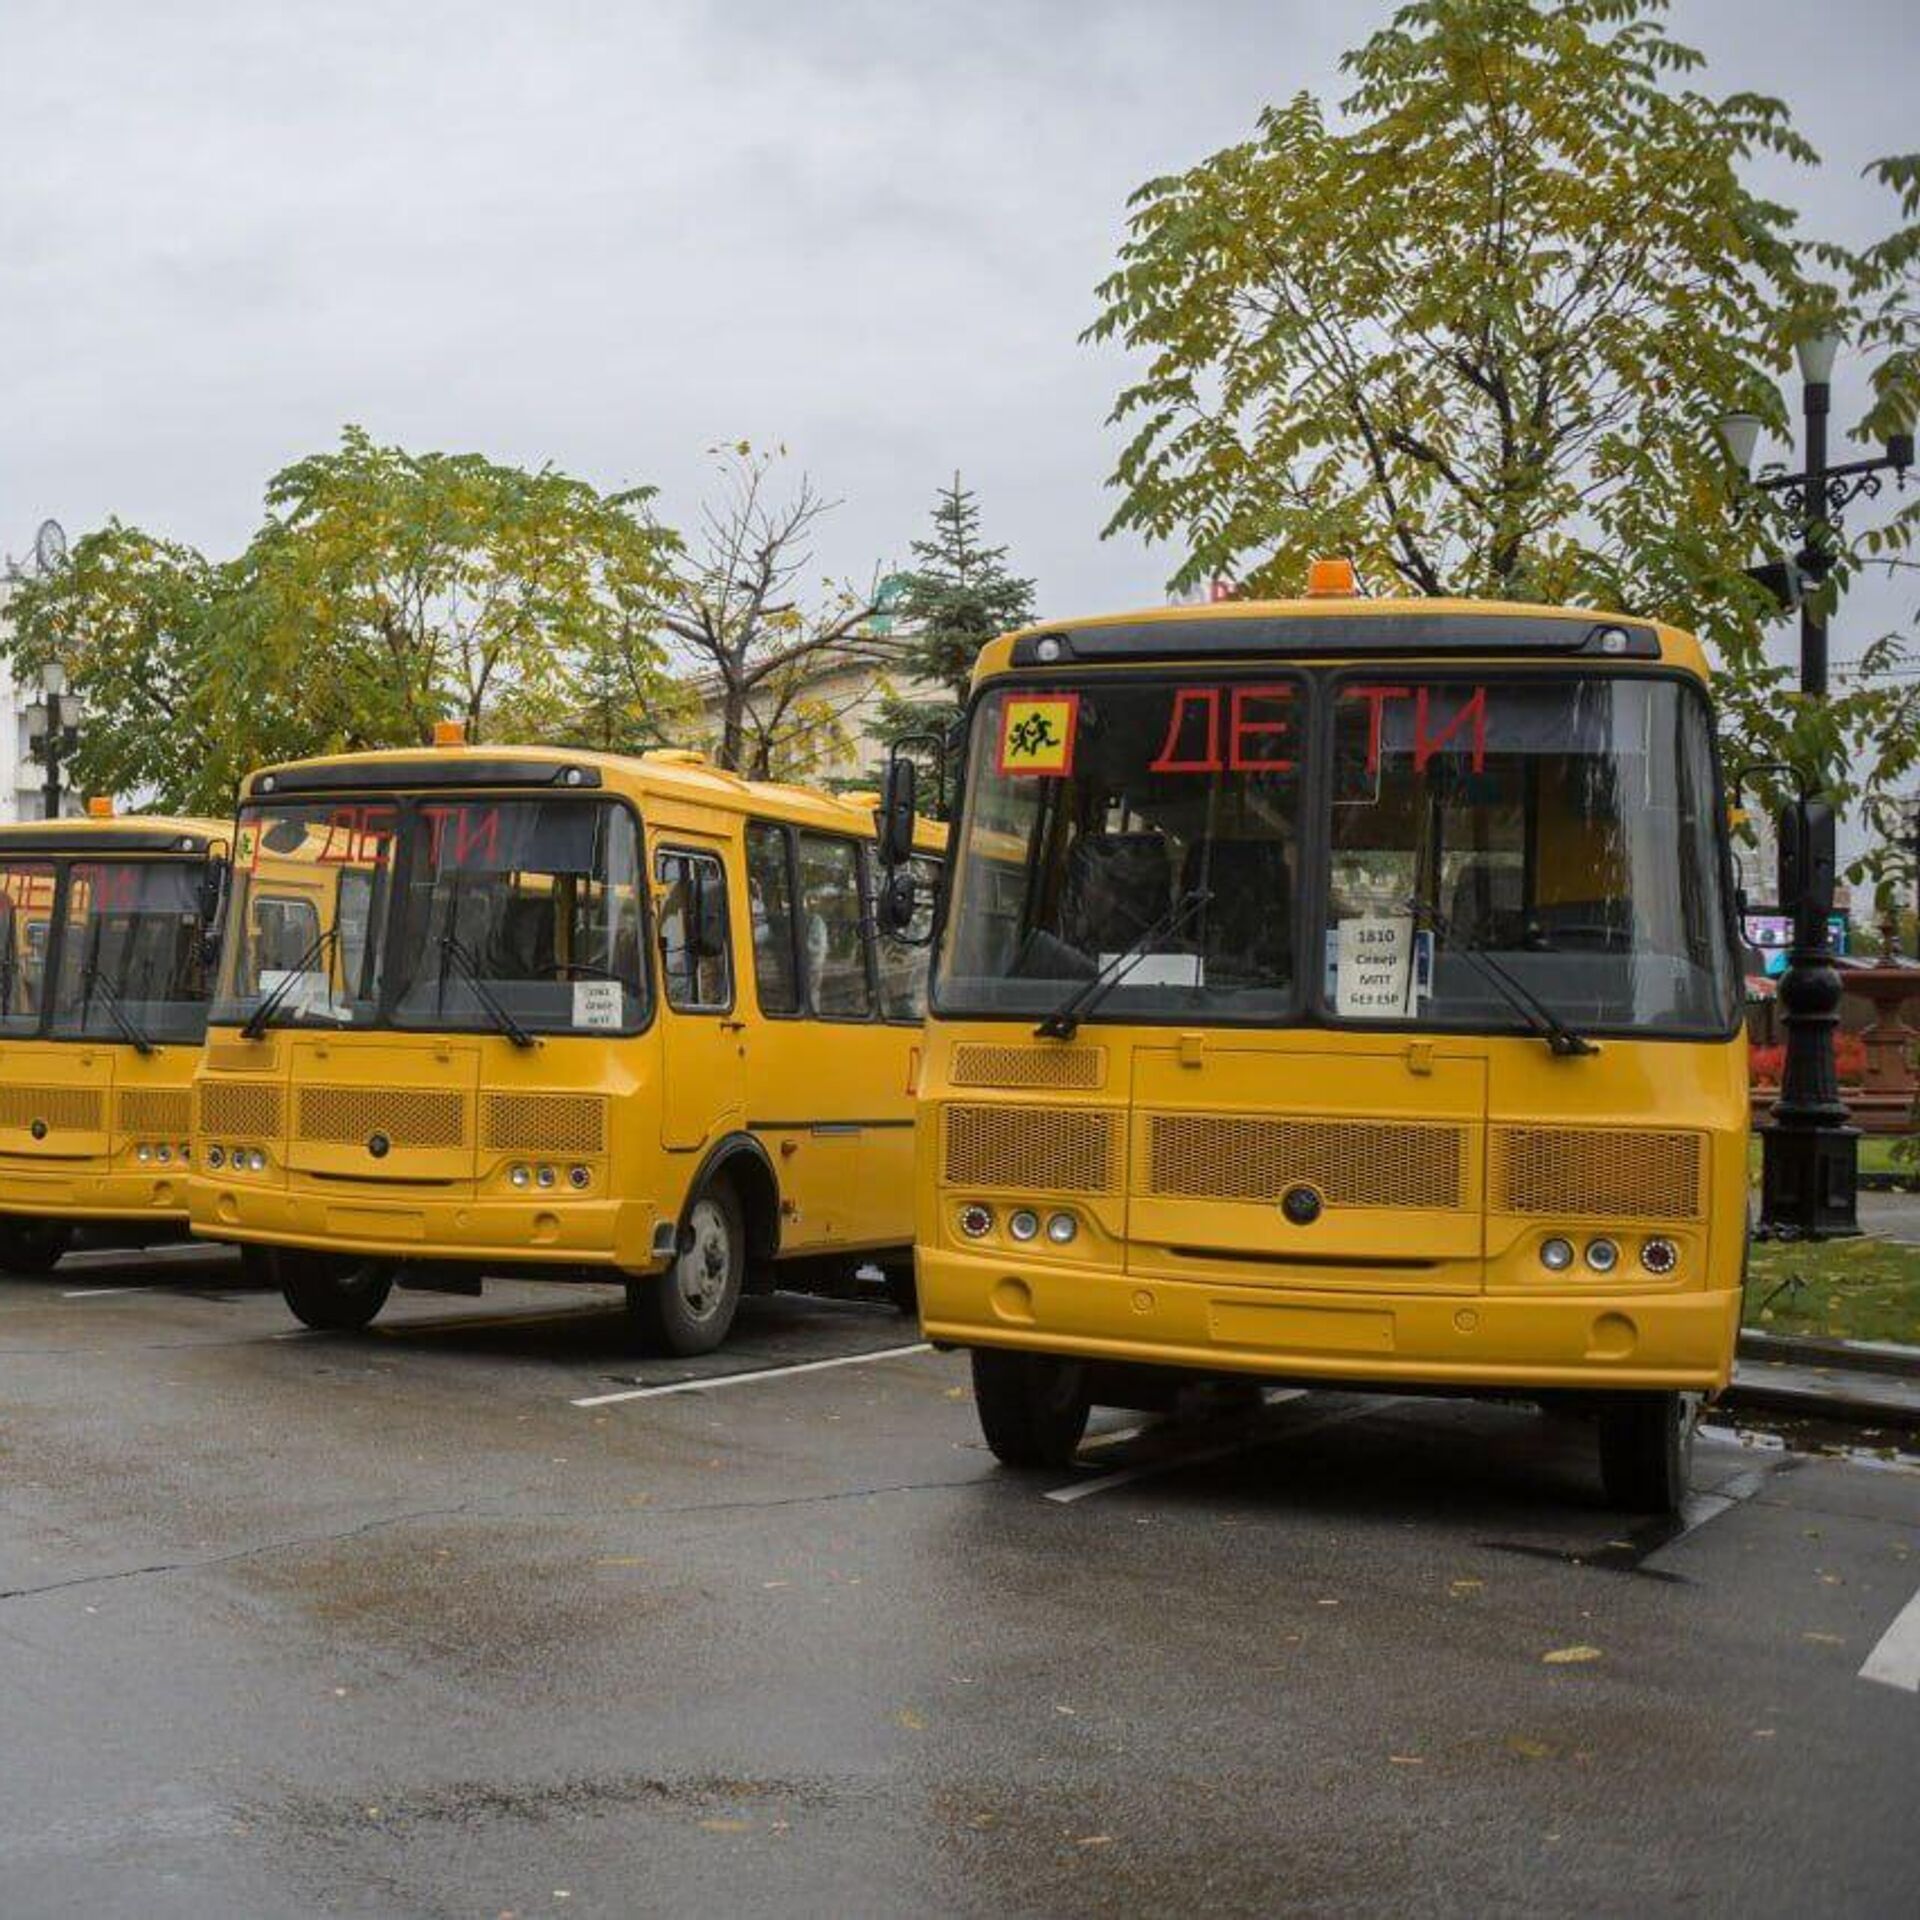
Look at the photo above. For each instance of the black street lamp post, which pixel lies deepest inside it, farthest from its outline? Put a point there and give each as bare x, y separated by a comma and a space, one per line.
1810, 1162
50, 724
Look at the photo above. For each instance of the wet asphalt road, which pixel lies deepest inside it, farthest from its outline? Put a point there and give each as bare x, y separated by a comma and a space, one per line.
299, 1624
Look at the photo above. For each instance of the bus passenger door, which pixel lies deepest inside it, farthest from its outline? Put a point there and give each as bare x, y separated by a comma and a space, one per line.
702, 1033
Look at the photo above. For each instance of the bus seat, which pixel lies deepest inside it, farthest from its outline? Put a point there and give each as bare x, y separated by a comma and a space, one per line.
1116, 886
1247, 926
1485, 910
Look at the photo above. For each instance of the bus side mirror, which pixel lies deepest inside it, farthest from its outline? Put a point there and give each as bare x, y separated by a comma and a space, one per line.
214, 877
1807, 865
899, 901
709, 916
895, 822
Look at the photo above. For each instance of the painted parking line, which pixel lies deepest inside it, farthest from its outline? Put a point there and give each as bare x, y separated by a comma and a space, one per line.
97, 1293
1895, 1659
758, 1375
1239, 1443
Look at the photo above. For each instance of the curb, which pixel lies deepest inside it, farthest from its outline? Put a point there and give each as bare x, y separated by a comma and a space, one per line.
1845, 1356
1866, 1399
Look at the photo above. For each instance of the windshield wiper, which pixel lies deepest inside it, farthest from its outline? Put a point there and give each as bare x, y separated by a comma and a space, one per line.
1563, 1040
1065, 1019
256, 1023
131, 1030
451, 948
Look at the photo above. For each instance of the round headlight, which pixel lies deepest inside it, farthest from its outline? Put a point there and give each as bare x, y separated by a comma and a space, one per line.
186, 1152
1048, 649
976, 1221
143, 1153
163, 1153
1602, 1255
1659, 1255
216, 1156
256, 1161
546, 1176
578, 1176
1556, 1255
1061, 1227
1023, 1223
521, 1176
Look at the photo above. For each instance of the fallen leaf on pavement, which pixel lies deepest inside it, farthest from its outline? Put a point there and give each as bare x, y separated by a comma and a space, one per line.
1571, 1656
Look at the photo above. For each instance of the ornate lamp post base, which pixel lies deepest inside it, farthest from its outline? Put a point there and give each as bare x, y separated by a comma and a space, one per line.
1809, 1182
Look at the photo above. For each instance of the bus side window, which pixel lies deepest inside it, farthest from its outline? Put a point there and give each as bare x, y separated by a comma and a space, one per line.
838, 986
696, 970
770, 888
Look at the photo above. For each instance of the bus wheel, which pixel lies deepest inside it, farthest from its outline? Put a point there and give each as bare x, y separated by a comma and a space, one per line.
689, 1308
32, 1246
330, 1293
1033, 1407
1646, 1449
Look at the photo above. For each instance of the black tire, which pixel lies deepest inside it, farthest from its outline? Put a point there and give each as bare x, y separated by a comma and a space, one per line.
30, 1246
257, 1267
1646, 1449
332, 1293
689, 1308
1033, 1407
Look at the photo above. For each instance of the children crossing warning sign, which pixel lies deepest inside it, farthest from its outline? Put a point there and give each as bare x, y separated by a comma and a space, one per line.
1036, 733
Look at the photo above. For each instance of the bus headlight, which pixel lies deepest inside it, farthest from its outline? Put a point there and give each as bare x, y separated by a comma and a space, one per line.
216, 1156
520, 1177
143, 1153
1602, 1255
256, 1161
163, 1153
976, 1221
1556, 1255
546, 1176
1659, 1255
1061, 1227
577, 1177
1023, 1223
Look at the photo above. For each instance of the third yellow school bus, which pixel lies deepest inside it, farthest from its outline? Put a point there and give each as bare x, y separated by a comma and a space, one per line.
504, 1010
1340, 991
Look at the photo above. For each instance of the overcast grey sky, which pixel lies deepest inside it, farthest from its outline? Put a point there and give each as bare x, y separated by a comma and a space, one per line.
609, 233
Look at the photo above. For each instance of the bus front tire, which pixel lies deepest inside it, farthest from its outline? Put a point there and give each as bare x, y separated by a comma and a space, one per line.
1033, 1407
689, 1309
1646, 1449
332, 1294
32, 1246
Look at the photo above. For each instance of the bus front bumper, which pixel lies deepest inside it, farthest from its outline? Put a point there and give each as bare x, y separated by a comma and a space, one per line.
1666, 1340
566, 1231
83, 1190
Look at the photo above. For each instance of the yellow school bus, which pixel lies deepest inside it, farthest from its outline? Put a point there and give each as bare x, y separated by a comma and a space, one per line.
105, 967
1340, 991
557, 1015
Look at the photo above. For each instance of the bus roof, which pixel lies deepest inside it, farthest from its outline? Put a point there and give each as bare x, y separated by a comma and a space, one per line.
112, 833
667, 774
1344, 628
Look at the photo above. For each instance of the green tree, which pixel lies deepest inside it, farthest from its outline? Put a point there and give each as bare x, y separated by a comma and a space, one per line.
957, 597
1475, 332
126, 615
390, 589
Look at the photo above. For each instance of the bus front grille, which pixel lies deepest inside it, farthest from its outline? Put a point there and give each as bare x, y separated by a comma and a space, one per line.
408, 1116
1076, 1069
1031, 1149
166, 1111
543, 1123
1350, 1163
1599, 1172
240, 1112
73, 1109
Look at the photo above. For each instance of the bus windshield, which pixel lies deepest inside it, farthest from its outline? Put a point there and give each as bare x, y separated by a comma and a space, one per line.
132, 952
456, 913
1473, 844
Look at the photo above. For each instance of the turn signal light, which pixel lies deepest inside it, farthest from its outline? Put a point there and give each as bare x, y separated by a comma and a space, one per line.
449, 733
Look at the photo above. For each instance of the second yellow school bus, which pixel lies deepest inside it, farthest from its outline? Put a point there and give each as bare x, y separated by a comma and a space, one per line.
560, 1015
1338, 990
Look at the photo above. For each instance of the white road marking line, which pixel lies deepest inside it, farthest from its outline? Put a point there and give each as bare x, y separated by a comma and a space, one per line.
1173, 1462
1895, 1659
95, 1293
748, 1379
